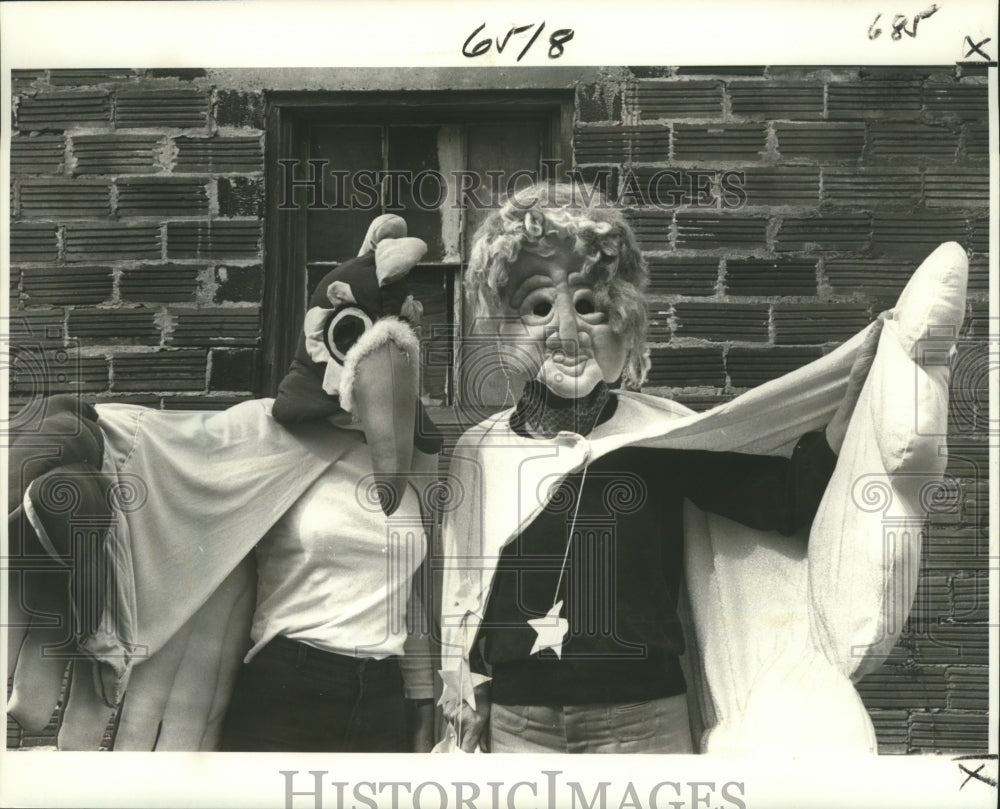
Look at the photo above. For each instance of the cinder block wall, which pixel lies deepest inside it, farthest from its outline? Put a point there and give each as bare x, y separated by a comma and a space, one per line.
137, 202
136, 238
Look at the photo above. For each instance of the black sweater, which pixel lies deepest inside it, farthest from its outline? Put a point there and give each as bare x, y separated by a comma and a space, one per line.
623, 569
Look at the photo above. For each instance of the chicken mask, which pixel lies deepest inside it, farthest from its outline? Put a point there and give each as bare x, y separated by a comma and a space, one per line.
357, 361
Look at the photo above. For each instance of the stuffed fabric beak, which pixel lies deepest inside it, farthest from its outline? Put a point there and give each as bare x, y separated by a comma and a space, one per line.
385, 403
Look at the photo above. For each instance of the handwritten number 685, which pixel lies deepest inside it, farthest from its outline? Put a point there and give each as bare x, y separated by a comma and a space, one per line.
899, 23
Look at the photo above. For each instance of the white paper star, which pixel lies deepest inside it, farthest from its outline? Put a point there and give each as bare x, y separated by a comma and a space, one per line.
457, 686
551, 630
460, 684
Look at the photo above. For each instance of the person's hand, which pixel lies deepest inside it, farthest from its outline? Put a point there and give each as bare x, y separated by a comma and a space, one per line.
420, 715
837, 428
471, 725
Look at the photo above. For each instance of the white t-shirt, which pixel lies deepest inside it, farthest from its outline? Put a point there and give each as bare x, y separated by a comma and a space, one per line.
334, 572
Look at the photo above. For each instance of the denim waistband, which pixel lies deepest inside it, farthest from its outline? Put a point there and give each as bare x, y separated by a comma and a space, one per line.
299, 652
570, 681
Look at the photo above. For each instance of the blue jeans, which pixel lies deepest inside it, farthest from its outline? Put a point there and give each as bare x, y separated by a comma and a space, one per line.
295, 698
653, 726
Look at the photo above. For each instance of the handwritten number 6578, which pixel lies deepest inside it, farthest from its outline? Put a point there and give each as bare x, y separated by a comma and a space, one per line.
557, 41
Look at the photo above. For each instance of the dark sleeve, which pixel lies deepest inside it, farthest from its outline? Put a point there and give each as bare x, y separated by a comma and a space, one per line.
760, 491
477, 662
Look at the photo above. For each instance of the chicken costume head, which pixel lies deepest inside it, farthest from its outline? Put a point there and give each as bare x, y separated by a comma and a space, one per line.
357, 362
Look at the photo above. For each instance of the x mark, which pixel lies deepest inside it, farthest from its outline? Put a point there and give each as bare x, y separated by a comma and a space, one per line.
975, 47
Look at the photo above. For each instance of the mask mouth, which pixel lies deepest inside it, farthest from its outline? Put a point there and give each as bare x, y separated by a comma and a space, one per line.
560, 354
573, 380
570, 363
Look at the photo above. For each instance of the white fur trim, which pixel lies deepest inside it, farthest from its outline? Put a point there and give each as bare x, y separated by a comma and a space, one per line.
385, 330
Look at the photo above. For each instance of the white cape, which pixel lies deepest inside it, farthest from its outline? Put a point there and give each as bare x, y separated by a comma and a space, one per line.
195, 492
778, 631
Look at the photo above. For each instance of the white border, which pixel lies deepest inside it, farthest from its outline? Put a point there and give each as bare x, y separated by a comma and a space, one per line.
385, 34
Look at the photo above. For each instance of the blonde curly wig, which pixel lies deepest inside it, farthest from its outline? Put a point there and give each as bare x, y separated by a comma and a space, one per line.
530, 220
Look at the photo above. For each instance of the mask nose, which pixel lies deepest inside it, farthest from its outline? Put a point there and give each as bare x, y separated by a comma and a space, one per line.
565, 335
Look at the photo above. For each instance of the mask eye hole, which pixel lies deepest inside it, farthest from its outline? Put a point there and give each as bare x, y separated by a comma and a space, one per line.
344, 330
541, 309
